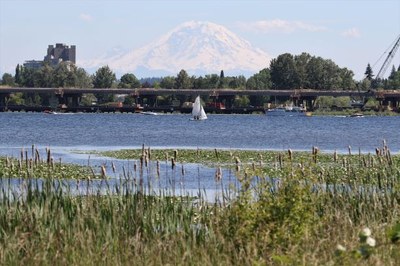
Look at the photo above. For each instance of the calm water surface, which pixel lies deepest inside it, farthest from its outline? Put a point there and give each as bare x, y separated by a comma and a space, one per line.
113, 131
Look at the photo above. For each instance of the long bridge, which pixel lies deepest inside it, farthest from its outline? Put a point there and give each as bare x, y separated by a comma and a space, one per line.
71, 97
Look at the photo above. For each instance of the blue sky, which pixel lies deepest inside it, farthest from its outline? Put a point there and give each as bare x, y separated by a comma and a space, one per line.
352, 33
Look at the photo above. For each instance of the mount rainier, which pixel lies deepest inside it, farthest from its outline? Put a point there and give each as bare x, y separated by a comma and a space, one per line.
198, 47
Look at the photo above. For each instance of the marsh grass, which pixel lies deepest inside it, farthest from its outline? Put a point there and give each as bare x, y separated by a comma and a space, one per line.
289, 208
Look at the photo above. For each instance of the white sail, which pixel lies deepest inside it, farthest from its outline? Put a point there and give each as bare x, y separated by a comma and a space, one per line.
202, 113
198, 112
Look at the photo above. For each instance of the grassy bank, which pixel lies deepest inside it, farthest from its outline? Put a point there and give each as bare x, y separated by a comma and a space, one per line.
313, 203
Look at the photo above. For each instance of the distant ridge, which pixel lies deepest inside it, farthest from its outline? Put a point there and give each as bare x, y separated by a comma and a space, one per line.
197, 47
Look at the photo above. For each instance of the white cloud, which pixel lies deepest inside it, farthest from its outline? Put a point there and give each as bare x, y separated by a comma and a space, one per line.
351, 33
279, 25
85, 17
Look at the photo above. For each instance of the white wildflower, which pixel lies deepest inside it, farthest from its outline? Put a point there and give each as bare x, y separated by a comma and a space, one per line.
370, 241
340, 248
366, 232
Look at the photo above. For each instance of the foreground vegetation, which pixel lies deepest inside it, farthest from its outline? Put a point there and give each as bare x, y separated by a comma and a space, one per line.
296, 208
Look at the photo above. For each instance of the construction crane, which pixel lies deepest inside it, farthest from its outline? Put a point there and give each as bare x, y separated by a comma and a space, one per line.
388, 59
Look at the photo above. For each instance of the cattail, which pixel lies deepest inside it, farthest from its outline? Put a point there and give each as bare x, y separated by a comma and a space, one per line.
253, 166
113, 167
141, 162
103, 171
37, 157
218, 174
290, 153
335, 156
349, 148
183, 170
134, 167
377, 151
175, 154
172, 163
52, 162
48, 156
158, 168
237, 168
22, 154
149, 153
216, 153
237, 160
33, 150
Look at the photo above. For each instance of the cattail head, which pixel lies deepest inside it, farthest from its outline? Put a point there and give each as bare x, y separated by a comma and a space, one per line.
113, 167
183, 170
103, 171
290, 153
173, 163
158, 168
218, 174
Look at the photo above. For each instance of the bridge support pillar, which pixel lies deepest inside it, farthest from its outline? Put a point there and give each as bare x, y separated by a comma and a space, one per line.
76, 99
3, 98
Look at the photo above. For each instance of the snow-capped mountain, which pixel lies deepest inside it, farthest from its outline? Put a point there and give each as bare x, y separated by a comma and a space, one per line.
197, 47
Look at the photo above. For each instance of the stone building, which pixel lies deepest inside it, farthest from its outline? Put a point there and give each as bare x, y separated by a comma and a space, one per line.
55, 55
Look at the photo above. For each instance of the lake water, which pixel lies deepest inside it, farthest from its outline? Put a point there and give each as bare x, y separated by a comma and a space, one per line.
67, 133
114, 131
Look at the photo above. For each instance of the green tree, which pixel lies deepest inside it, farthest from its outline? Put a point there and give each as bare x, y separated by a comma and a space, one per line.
167, 82
301, 61
64, 75
182, 81
211, 81
83, 79
7, 79
394, 80
104, 78
283, 72
28, 77
260, 81
129, 81
315, 73
347, 81
18, 75
369, 73
221, 82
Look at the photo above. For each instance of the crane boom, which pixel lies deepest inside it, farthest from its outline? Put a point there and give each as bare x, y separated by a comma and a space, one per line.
388, 59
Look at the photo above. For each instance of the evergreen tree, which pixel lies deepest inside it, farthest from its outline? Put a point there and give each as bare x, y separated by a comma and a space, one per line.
18, 75
7, 79
104, 78
369, 73
221, 82
182, 81
129, 81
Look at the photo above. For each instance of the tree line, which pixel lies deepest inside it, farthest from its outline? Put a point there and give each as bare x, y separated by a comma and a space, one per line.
285, 72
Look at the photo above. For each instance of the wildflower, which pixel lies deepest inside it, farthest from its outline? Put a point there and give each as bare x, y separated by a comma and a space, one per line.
366, 232
370, 241
340, 248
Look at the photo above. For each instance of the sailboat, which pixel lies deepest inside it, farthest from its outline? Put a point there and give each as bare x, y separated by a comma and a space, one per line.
198, 112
